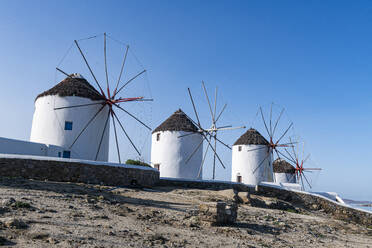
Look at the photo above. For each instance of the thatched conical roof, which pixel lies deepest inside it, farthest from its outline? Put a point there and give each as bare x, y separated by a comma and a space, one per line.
251, 137
282, 166
75, 85
178, 121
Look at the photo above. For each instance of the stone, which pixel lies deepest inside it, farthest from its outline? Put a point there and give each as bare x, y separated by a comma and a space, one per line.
8, 202
15, 223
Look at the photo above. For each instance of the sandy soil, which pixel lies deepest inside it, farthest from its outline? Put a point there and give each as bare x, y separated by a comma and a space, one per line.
49, 214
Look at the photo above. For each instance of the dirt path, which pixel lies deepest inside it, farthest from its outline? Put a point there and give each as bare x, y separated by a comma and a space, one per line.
45, 214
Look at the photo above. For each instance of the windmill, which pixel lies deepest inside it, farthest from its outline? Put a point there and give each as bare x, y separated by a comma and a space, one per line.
274, 142
299, 162
110, 100
209, 134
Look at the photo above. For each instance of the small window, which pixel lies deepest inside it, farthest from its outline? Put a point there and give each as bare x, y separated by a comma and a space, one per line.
239, 179
157, 166
66, 154
68, 125
157, 136
59, 154
239, 148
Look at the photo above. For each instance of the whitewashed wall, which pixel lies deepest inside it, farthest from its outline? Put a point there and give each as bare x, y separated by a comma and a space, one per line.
12, 146
244, 162
48, 126
284, 178
171, 153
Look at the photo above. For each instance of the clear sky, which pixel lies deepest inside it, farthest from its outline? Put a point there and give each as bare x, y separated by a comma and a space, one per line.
312, 57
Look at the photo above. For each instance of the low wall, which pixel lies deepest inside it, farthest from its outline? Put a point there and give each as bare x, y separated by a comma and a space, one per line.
305, 200
79, 172
314, 202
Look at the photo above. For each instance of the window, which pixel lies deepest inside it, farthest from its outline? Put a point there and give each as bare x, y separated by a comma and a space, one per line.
157, 166
239, 148
239, 178
59, 154
68, 125
157, 136
66, 154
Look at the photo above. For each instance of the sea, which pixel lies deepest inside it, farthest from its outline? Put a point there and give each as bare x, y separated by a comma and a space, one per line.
365, 205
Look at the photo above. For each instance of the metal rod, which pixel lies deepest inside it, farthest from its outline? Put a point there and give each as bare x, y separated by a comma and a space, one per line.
103, 134
116, 136
130, 80
133, 116
86, 62
87, 125
126, 134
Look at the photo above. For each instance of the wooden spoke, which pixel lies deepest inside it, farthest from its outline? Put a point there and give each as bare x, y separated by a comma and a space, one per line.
104, 48
271, 115
215, 137
277, 121
284, 133
218, 117
126, 134
196, 149
214, 157
78, 106
188, 134
193, 105
263, 119
209, 143
259, 165
293, 161
116, 136
215, 104
121, 70
209, 103
255, 149
133, 117
201, 166
307, 180
91, 72
95, 115
130, 80
103, 134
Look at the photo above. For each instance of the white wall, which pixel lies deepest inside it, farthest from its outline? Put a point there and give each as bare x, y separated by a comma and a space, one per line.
244, 162
12, 146
48, 126
285, 178
172, 152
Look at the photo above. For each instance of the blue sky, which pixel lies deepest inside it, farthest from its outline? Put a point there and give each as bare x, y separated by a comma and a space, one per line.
311, 57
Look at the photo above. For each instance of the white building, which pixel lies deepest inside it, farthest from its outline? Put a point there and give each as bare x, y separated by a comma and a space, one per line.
284, 172
251, 159
169, 152
63, 127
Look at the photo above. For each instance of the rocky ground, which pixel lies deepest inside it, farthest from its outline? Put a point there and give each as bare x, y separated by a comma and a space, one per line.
49, 214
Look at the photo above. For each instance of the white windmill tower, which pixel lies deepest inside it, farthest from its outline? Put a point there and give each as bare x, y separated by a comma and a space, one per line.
253, 154
169, 153
284, 172
75, 116
251, 159
60, 127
